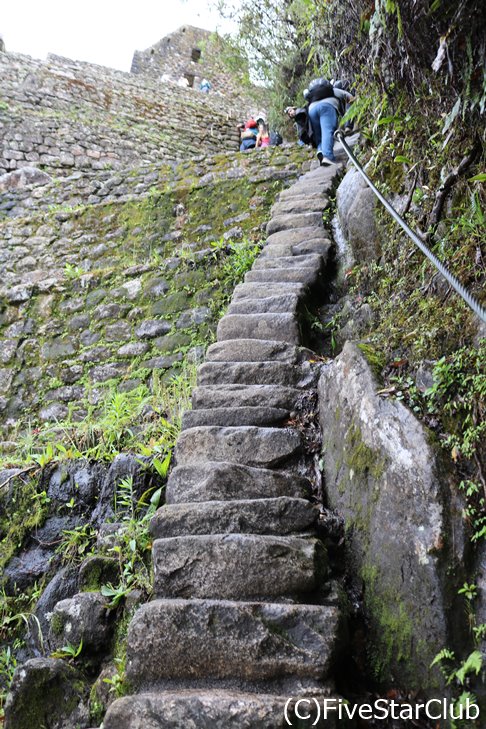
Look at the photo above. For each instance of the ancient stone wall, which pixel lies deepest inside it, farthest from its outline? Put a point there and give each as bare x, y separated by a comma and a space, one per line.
103, 295
65, 116
193, 54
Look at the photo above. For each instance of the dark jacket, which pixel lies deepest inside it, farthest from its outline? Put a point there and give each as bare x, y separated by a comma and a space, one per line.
304, 126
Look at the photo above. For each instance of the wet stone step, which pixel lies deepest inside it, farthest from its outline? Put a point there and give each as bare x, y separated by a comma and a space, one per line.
283, 304
234, 416
279, 516
257, 350
283, 327
237, 566
226, 396
214, 709
257, 373
309, 260
251, 446
222, 639
289, 221
307, 276
226, 481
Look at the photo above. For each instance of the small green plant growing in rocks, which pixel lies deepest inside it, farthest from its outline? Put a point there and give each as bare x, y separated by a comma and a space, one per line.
73, 272
68, 651
76, 543
460, 674
133, 541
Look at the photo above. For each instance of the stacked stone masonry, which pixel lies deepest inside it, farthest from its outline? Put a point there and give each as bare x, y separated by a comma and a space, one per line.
193, 54
244, 614
106, 288
65, 116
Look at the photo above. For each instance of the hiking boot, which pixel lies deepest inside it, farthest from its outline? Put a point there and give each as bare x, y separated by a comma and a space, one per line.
320, 157
325, 160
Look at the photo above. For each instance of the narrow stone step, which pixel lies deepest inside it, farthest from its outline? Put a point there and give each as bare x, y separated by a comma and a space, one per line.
234, 416
226, 396
309, 260
303, 204
322, 246
257, 373
304, 189
283, 304
307, 276
289, 221
251, 446
227, 481
297, 235
278, 516
257, 350
237, 566
218, 709
282, 327
221, 639
262, 291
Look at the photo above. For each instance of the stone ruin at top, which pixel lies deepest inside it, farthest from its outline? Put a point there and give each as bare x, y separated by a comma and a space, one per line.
66, 116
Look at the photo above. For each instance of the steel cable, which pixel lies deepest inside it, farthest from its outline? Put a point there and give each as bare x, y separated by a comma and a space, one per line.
450, 278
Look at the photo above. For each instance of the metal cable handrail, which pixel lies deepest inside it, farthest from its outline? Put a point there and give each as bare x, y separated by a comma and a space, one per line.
450, 278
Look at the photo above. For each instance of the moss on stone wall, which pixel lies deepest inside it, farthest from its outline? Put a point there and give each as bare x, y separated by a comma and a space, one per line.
137, 287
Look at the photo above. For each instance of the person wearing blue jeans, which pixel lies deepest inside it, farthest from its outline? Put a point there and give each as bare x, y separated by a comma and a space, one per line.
324, 120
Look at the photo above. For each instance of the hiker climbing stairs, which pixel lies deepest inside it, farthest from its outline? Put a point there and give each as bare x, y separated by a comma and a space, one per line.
244, 615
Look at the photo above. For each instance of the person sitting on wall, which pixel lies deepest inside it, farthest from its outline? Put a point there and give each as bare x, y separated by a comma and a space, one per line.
248, 135
205, 86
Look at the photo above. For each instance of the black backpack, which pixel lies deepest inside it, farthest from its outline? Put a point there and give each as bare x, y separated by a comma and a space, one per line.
275, 139
319, 88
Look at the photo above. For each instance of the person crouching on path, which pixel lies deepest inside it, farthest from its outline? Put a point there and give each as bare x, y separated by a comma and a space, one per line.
248, 135
324, 105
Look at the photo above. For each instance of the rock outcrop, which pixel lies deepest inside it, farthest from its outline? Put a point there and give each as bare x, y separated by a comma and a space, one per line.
403, 528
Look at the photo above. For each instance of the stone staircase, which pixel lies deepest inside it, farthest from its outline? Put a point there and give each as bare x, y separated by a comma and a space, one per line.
244, 616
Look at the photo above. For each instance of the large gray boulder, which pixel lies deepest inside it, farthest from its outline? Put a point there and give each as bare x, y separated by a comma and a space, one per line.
356, 211
382, 475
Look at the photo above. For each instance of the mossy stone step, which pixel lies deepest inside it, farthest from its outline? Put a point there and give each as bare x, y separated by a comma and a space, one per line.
232, 416
224, 641
225, 480
238, 567
226, 396
280, 516
252, 446
283, 327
